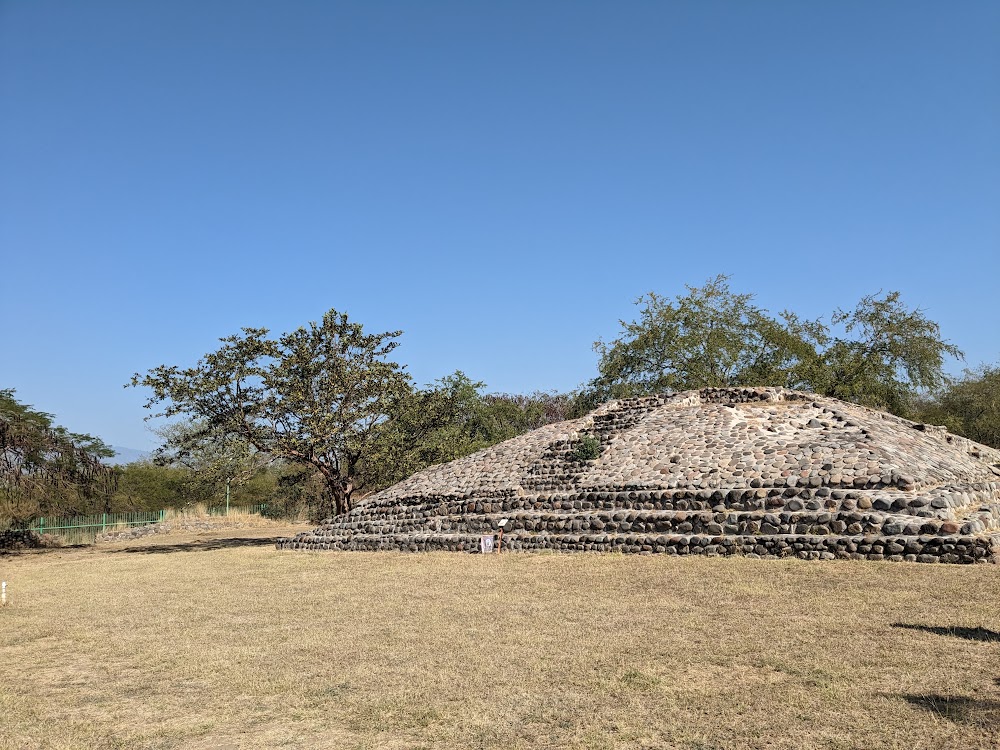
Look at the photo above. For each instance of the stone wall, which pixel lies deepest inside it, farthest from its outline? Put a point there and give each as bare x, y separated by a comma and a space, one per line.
928, 549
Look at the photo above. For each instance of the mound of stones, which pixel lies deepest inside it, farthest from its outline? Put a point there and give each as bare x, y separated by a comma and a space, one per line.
760, 472
18, 539
180, 523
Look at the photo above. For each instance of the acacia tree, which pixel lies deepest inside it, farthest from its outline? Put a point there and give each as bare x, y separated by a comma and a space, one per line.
709, 337
323, 396
46, 469
882, 355
887, 356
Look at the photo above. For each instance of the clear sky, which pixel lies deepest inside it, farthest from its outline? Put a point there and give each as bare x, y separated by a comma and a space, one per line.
499, 180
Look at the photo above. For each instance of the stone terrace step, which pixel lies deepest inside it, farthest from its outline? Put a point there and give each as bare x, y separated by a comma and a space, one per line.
682, 522
937, 502
924, 548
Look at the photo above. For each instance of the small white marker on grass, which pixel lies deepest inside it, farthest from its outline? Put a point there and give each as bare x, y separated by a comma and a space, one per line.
3, 594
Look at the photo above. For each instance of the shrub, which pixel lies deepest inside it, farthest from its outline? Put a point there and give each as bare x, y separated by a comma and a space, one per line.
587, 449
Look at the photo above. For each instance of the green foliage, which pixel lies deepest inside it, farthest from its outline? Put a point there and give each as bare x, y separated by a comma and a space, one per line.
321, 396
47, 470
587, 449
213, 459
515, 414
969, 406
451, 419
707, 338
326, 399
888, 355
298, 491
712, 337
288, 490
147, 486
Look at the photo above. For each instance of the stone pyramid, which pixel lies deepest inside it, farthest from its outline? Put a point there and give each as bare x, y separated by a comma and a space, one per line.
761, 472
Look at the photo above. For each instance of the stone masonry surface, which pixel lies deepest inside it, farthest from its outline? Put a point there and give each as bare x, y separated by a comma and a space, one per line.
761, 472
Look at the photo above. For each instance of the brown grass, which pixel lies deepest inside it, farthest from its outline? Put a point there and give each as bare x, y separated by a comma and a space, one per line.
217, 640
198, 512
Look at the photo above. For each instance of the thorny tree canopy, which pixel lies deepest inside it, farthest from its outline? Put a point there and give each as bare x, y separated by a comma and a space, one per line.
879, 354
322, 395
45, 469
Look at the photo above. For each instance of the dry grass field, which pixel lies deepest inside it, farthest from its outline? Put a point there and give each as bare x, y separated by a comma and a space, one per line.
217, 640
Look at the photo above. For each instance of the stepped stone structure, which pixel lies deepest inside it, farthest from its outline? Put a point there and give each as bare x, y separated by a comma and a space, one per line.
760, 472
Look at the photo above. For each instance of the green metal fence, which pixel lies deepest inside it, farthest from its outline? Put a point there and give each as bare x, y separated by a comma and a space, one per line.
83, 529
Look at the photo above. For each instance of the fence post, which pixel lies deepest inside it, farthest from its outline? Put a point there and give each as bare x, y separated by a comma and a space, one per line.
41, 526
104, 522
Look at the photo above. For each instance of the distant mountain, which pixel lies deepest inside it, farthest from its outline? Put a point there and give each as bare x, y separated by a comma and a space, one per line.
126, 455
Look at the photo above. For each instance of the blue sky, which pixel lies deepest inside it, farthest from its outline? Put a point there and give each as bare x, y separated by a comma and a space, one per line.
500, 181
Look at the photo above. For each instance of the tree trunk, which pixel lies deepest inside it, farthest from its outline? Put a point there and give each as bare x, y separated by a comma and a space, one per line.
336, 498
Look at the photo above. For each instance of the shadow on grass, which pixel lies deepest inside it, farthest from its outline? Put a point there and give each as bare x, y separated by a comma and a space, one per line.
201, 545
43, 550
959, 708
956, 631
